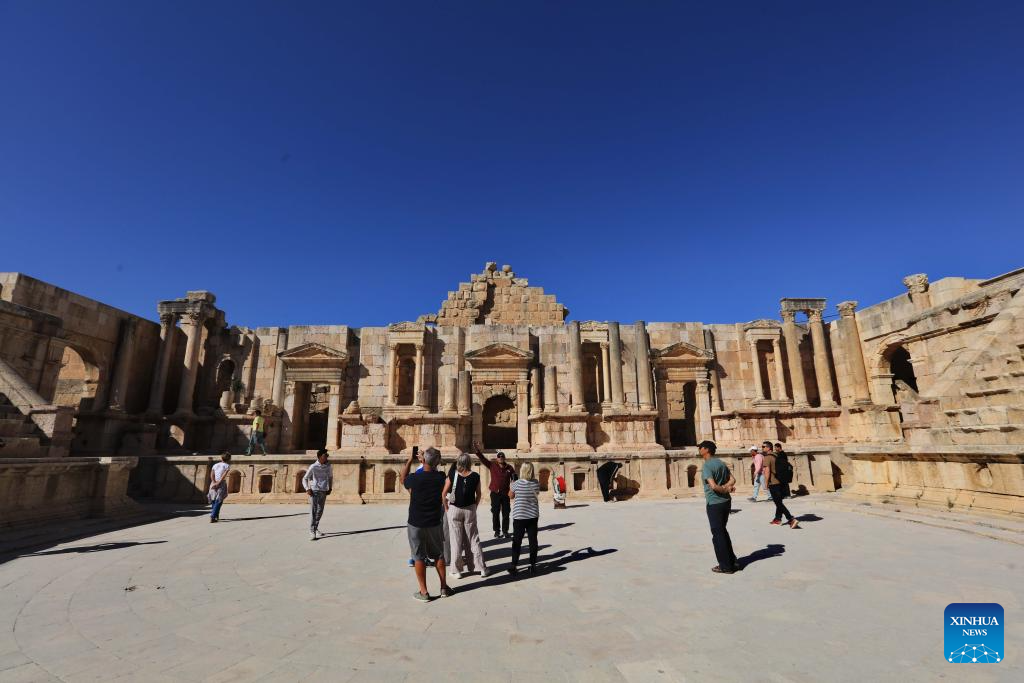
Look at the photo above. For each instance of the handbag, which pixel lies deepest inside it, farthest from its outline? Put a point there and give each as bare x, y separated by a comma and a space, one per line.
451, 493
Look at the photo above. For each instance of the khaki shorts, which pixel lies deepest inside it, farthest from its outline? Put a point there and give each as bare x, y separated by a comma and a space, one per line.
426, 543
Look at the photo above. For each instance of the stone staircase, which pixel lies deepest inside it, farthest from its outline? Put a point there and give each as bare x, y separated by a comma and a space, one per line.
21, 437
981, 398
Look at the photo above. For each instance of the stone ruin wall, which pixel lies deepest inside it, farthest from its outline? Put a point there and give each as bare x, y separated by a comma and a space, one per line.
949, 439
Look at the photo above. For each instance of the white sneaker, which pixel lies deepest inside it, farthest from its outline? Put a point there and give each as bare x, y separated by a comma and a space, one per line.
457, 575
319, 534
312, 535
484, 573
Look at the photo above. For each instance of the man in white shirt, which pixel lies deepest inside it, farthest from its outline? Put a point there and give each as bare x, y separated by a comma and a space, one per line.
318, 482
218, 486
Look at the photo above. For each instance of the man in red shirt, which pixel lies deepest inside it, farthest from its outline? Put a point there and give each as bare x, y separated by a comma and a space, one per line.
502, 475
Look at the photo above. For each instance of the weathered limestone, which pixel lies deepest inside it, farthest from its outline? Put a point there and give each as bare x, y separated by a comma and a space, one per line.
643, 367
550, 389
123, 366
575, 367
615, 362
854, 356
163, 363
535, 404
796, 371
821, 369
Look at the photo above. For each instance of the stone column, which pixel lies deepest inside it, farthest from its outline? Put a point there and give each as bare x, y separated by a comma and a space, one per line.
163, 363
282, 346
465, 403
850, 333
704, 426
643, 366
664, 433
123, 367
796, 370
755, 364
194, 329
392, 373
917, 289
523, 419
451, 394
535, 405
333, 411
615, 361
780, 372
821, 369
606, 380
417, 382
550, 389
576, 403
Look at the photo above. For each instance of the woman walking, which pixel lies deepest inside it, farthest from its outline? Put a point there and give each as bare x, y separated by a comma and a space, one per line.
219, 486
525, 513
461, 496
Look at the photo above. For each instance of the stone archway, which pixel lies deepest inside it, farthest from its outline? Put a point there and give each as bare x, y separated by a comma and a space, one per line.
500, 422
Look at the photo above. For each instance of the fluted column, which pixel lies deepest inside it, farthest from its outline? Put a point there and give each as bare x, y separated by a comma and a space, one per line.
643, 366
535, 405
282, 346
392, 372
123, 365
194, 329
576, 367
755, 365
796, 370
550, 388
615, 363
821, 369
417, 382
850, 333
333, 411
163, 363
780, 372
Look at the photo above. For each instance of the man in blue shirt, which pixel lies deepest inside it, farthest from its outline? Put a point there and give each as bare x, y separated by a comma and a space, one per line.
718, 484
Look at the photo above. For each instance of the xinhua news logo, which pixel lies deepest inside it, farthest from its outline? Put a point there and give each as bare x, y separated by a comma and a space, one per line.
974, 633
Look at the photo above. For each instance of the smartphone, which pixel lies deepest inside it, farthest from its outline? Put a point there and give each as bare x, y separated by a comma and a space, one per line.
415, 450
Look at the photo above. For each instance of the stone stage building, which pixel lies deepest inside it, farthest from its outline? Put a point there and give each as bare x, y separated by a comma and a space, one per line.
920, 397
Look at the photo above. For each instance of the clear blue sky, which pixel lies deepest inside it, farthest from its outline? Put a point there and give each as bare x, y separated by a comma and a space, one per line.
343, 162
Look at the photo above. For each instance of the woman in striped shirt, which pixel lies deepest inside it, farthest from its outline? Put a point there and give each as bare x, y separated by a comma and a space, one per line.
525, 513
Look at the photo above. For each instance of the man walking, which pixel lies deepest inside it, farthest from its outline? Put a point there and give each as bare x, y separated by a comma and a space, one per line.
776, 472
502, 476
258, 434
759, 481
426, 539
318, 482
718, 485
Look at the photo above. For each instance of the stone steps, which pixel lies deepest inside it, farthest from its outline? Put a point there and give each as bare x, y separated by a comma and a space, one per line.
15, 426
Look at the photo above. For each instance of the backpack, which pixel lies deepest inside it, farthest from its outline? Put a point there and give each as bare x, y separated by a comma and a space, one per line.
783, 469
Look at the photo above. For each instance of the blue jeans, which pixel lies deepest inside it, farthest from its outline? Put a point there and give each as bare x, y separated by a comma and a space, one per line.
256, 438
759, 483
215, 508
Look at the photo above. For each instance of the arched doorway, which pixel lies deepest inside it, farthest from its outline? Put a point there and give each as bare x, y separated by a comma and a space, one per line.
902, 369
77, 381
500, 422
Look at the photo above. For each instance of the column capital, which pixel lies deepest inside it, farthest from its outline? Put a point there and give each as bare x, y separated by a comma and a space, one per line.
814, 316
604, 345
419, 347
788, 316
917, 283
847, 308
168, 319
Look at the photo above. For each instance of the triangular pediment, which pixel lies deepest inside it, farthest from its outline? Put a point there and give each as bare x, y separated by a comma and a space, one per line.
499, 351
312, 352
684, 351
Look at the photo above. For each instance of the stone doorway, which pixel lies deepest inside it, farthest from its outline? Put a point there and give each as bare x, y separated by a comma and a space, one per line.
500, 422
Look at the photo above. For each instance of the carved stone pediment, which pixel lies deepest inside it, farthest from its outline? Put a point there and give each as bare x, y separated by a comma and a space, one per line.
683, 352
406, 327
314, 354
499, 355
593, 326
763, 324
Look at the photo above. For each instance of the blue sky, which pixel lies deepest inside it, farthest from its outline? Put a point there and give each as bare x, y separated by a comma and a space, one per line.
343, 162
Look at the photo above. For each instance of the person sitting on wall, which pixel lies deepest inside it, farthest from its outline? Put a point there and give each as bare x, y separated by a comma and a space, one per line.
258, 434
559, 489
606, 477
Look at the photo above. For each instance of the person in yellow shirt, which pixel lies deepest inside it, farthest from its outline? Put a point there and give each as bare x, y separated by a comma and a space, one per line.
258, 434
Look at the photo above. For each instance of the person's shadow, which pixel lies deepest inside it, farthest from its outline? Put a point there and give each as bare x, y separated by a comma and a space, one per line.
766, 553
556, 562
99, 547
809, 517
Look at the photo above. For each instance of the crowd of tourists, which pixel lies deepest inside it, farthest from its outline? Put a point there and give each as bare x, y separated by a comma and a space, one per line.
442, 524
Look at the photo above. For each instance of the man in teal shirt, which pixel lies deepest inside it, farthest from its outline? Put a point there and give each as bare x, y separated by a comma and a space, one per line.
718, 484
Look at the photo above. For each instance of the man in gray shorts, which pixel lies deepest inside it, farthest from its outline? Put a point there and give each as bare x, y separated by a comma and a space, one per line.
426, 538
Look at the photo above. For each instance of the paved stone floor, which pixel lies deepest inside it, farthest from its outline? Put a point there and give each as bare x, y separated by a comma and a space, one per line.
628, 595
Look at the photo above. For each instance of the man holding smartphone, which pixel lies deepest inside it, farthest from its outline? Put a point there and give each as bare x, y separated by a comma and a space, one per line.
426, 514
502, 476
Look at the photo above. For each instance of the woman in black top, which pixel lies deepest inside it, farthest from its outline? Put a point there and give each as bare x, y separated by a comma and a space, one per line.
461, 495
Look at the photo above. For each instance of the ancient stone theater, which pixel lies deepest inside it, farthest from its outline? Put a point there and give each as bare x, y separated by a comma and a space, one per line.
918, 399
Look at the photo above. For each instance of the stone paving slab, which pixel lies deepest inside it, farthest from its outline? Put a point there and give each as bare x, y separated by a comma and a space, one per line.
627, 596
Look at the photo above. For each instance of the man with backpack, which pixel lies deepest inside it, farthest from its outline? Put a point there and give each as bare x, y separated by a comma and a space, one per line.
779, 473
